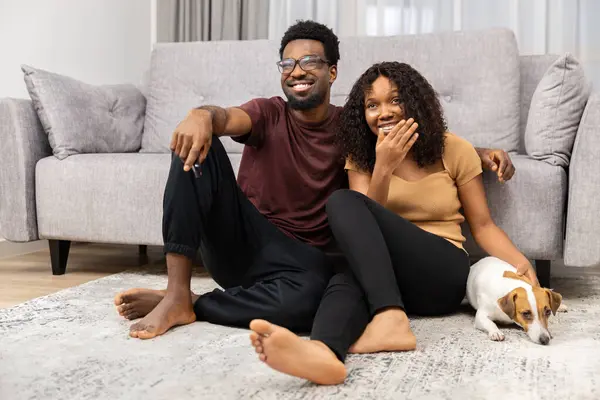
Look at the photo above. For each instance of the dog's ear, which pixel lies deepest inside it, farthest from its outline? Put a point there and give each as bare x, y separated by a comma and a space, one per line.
507, 303
555, 300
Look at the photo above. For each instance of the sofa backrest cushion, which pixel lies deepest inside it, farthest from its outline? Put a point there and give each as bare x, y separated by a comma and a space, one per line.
532, 67
81, 118
555, 111
476, 74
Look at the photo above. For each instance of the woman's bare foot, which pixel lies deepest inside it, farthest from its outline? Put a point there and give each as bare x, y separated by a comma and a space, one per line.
285, 352
137, 303
173, 310
388, 331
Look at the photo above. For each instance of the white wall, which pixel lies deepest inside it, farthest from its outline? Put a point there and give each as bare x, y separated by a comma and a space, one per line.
96, 41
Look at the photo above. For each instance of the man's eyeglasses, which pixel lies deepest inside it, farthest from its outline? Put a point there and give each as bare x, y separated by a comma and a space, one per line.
307, 63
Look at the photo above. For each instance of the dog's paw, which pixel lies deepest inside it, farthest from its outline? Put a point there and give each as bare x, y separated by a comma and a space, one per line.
562, 308
496, 336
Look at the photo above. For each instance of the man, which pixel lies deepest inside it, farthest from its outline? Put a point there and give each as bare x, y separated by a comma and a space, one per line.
263, 238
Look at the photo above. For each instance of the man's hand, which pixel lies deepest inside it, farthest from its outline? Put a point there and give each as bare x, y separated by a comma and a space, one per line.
193, 137
498, 161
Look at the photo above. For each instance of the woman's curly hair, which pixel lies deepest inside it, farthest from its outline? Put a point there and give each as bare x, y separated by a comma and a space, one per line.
419, 101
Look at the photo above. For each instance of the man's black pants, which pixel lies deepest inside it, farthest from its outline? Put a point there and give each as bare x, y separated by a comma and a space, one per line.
264, 273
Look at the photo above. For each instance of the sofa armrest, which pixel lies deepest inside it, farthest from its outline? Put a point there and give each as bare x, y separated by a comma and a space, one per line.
22, 143
583, 229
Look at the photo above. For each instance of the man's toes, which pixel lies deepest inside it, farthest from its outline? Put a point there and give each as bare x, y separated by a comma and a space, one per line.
262, 357
138, 326
132, 315
259, 349
123, 297
124, 308
253, 336
146, 333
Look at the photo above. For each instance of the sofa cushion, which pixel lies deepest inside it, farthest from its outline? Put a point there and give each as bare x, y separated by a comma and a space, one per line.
533, 68
529, 208
105, 198
187, 75
555, 111
476, 75
82, 118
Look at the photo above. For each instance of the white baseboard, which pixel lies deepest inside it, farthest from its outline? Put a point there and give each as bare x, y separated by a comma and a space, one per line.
11, 249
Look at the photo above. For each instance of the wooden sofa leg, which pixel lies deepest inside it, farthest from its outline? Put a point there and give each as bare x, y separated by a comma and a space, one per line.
143, 254
542, 269
59, 253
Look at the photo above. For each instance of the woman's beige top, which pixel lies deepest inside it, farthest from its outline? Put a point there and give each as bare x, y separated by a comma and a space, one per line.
432, 202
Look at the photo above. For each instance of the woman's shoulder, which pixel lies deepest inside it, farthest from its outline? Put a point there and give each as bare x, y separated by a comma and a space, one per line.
456, 143
352, 166
460, 155
456, 147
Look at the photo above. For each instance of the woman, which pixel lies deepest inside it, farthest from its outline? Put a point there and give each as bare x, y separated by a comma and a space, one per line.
398, 226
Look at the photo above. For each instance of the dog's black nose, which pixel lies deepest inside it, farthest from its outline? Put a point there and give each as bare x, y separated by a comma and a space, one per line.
544, 339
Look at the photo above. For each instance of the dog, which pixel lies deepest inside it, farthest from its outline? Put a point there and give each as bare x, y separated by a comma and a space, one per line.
498, 294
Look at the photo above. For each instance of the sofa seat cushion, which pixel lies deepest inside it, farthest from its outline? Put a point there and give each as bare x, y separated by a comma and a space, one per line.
529, 208
105, 198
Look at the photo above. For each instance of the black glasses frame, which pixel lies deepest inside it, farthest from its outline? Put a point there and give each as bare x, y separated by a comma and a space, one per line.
300, 61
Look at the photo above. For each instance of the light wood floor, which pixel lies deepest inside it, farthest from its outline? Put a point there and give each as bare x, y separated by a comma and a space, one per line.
29, 276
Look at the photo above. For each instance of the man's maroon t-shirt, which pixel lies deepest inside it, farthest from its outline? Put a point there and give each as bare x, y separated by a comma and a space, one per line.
289, 168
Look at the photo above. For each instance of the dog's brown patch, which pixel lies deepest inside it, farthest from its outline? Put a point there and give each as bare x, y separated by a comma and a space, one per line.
516, 305
548, 302
513, 275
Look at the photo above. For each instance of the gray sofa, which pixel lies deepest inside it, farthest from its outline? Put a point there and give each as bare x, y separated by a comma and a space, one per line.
485, 86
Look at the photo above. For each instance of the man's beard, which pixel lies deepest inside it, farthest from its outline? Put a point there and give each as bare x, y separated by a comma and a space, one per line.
312, 101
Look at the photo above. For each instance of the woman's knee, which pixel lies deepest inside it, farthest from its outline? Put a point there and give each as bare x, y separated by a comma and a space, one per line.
340, 199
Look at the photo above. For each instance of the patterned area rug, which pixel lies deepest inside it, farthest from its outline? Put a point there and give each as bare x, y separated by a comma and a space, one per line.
73, 345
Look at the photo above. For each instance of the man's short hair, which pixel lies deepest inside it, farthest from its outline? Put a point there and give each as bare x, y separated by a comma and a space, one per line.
314, 31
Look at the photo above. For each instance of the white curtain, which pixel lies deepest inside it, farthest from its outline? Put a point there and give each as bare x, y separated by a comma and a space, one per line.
192, 20
541, 26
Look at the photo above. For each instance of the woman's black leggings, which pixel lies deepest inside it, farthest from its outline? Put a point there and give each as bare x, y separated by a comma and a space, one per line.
393, 263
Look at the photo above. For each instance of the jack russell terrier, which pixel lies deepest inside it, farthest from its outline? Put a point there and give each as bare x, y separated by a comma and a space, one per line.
498, 294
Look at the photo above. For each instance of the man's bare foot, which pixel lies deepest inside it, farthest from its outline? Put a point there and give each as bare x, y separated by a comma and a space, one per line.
285, 352
137, 303
388, 331
171, 311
